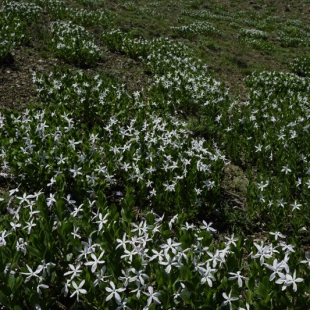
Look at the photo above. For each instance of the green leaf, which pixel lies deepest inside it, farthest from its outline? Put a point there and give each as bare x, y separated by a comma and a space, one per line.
262, 290
160, 277
101, 201
16, 258
4, 300
33, 251
267, 283
187, 239
250, 283
185, 295
18, 282
11, 282
150, 218
65, 229
127, 205
185, 273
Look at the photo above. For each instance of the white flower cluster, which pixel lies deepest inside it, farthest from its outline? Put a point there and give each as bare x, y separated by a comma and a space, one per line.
208, 15
199, 27
74, 43
277, 120
301, 66
252, 33
12, 34
23, 10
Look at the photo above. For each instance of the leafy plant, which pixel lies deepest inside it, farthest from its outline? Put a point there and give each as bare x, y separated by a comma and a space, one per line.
74, 44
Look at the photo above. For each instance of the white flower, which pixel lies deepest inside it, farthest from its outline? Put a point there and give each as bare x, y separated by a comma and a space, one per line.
288, 248
295, 205
100, 276
139, 289
2, 238
31, 273
78, 289
95, 262
287, 280
231, 240
39, 288
207, 275
122, 304
29, 226
152, 296
286, 169
228, 300
45, 267
74, 271
158, 255
307, 261
277, 234
75, 232
114, 292
170, 262
262, 252
170, 245
208, 227
237, 276
75, 171
276, 268
65, 289
261, 185
102, 221
139, 276
122, 242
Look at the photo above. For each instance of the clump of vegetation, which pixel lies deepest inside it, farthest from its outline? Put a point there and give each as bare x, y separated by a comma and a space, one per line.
255, 38
27, 12
189, 31
74, 44
12, 34
292, 36
301, 66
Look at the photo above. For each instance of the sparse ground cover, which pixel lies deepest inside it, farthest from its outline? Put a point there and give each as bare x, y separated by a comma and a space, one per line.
154, 155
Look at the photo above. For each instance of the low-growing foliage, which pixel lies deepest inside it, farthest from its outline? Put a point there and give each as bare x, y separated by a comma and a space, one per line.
27, 12
108, 194
301, 66
74, 44
192, 30
271, 129
56, 8
252, 34
255, 38
12, 34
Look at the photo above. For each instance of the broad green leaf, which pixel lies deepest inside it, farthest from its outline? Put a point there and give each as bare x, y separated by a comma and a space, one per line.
11, 282
33, 251
4, 300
